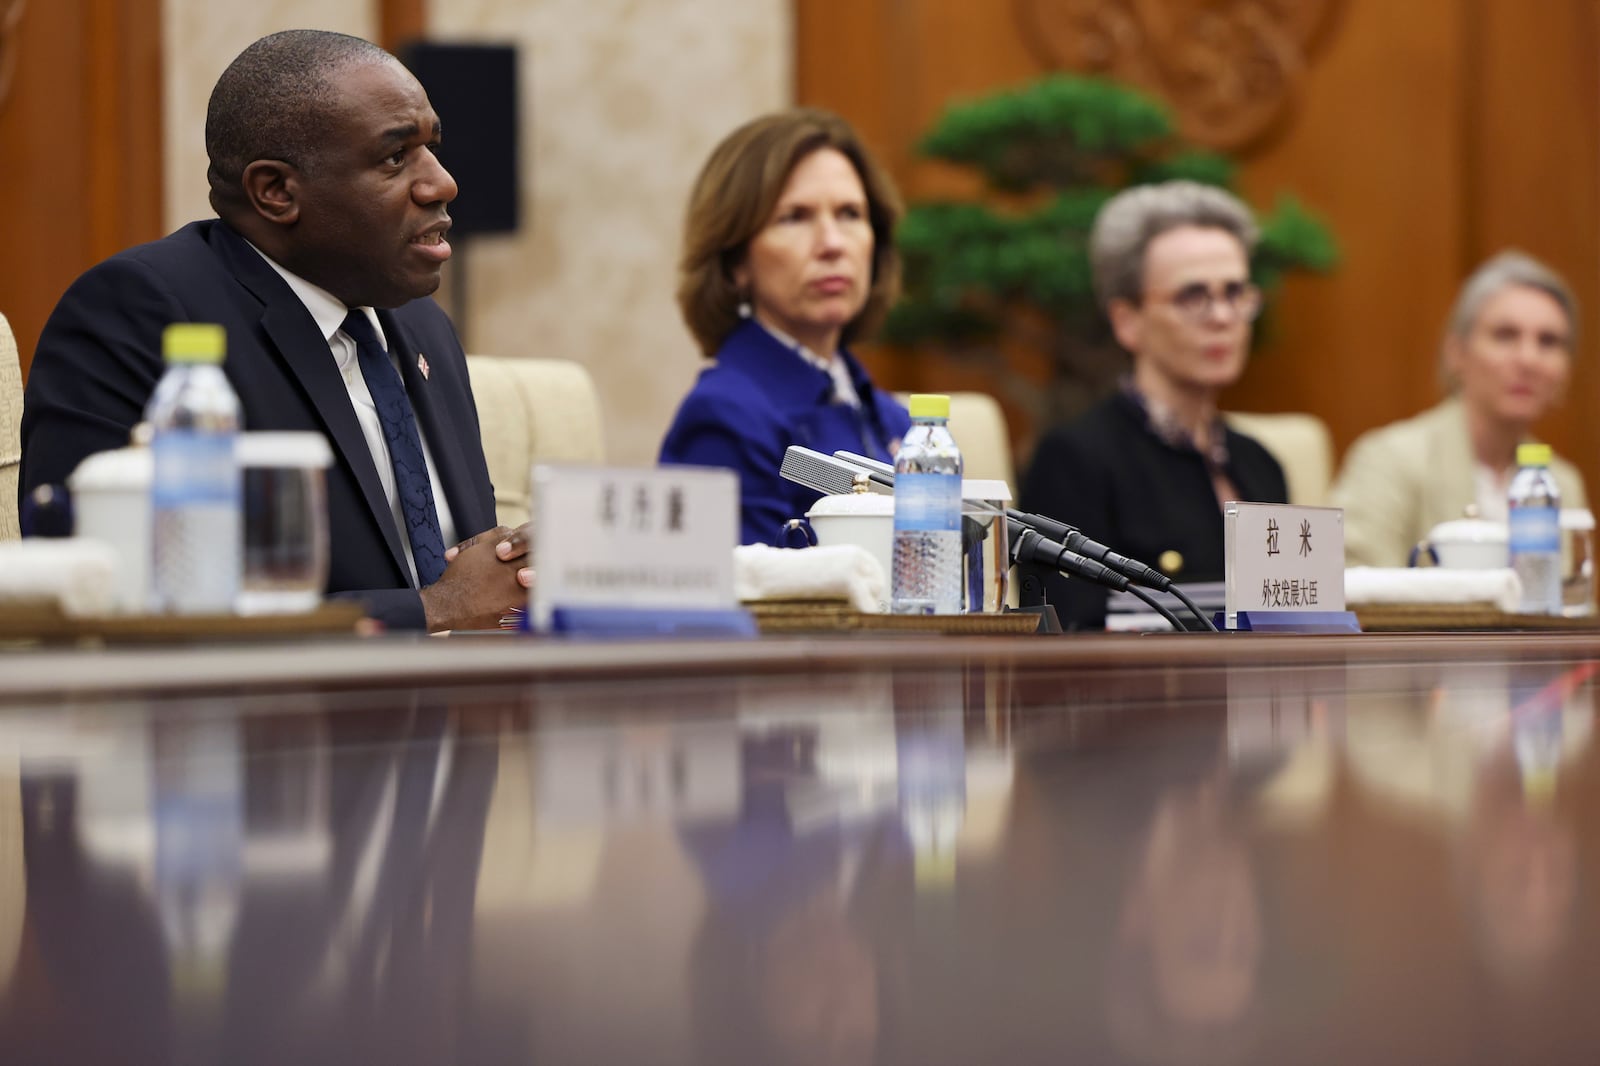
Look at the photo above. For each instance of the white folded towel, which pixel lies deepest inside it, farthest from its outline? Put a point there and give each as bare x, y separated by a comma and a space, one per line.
761, 572
76, 573
1431, 584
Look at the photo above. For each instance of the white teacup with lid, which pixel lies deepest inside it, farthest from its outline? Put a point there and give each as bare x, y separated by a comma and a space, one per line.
1466, 543
111, 503
865, 519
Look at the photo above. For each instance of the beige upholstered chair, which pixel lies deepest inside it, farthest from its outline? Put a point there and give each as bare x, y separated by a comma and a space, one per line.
532, 410
979, 427
1303, 447
10, 431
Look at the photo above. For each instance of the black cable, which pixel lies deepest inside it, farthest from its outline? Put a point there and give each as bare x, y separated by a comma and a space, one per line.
1150, 600
1187, 602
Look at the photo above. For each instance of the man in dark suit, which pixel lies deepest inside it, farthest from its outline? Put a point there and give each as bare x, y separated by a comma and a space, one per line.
330, 237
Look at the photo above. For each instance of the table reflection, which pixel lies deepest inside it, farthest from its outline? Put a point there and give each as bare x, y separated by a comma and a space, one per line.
263, 890
964, 861
1184, 971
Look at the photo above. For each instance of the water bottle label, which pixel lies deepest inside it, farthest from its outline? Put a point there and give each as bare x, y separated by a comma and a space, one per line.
1535, 529
927, 503
193, 469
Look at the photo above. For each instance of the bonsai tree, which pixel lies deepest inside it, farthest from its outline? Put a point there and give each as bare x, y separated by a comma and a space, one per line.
983, 277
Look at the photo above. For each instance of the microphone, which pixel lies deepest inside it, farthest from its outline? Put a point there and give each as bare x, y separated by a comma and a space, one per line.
1030, 546
825, 474
1068, 536
1093, 549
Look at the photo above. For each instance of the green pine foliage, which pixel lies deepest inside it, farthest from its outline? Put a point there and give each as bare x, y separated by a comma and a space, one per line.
1056, 132
1062, 145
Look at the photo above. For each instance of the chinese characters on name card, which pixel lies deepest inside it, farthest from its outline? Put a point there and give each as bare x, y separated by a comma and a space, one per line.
633, 538
1283, 558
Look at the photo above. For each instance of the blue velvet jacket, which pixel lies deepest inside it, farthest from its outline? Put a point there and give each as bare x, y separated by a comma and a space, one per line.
759, 398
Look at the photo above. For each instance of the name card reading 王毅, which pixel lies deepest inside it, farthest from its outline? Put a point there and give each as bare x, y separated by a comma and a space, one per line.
1282, 558
632, 539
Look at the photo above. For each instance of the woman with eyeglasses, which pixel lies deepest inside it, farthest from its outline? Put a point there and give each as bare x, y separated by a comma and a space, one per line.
1505, 361
1148, 469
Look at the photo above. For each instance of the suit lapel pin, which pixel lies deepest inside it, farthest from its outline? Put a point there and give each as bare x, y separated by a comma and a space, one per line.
422, 365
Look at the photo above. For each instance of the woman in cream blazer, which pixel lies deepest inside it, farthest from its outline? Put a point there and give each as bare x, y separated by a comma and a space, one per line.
1507, 355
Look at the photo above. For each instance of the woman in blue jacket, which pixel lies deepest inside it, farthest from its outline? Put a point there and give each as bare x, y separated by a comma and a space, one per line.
788, 257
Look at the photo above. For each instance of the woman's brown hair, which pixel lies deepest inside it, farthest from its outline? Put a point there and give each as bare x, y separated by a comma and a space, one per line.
734, 197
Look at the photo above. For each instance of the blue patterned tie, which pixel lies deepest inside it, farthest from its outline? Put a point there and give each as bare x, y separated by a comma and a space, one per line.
405, 448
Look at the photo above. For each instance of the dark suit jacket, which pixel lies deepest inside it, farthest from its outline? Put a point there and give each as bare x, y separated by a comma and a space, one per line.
1119, 483
758, 399
100, 356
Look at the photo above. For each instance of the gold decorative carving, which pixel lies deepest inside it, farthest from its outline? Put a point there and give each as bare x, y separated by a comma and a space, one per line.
1230, 69
10, 19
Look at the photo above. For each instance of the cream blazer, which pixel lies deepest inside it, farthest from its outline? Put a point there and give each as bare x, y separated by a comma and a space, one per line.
1401, 480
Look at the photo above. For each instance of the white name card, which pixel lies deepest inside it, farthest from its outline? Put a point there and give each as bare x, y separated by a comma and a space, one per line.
1282, 558
632, 538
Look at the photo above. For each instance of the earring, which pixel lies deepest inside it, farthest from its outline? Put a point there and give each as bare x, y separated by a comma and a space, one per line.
744, 308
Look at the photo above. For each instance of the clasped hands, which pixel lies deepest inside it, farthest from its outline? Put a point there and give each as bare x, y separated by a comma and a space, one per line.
484, 577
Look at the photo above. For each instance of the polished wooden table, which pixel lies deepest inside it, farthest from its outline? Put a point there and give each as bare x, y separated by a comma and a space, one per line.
1171, 849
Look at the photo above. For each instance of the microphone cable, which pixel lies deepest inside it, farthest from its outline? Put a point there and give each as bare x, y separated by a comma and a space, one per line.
1211, 627
1159, 608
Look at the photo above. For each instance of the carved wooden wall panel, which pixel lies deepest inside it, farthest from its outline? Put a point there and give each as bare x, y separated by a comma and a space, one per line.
1230, 68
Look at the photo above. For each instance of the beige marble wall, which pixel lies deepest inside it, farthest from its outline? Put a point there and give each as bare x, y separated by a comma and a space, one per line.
621, 102
199, 39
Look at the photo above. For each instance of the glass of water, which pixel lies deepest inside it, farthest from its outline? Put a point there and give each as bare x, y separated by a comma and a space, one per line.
285, 521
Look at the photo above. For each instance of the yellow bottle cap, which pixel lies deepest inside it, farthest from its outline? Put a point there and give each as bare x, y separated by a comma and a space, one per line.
929, 405
1533, 455
194, 342
1539, 787
934, 869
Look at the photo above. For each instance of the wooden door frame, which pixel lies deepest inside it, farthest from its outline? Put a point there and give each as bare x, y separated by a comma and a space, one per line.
82, 126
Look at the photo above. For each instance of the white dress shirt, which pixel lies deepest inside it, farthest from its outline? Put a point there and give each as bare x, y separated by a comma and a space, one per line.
329, 312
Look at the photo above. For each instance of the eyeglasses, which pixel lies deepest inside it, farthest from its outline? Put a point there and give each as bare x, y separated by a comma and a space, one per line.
1196, 301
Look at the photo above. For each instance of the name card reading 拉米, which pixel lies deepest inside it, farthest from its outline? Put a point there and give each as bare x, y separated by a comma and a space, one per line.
632, 539
1282, 558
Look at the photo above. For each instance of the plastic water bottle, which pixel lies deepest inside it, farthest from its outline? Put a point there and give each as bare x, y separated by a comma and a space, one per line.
927, 514
1534, 504
194, 488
